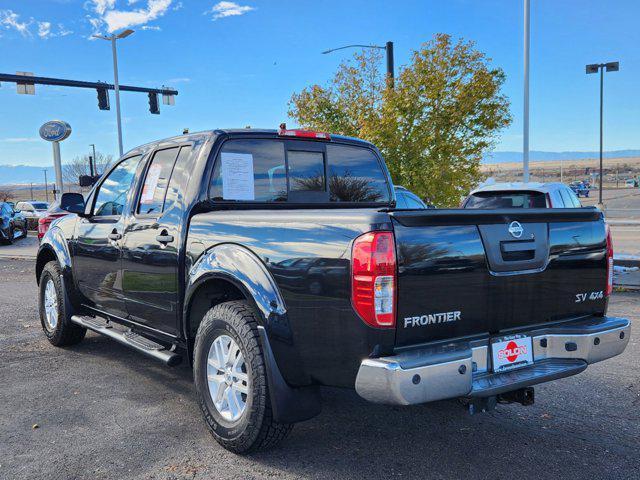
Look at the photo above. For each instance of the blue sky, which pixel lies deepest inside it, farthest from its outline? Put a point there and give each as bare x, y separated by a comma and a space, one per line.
237, 63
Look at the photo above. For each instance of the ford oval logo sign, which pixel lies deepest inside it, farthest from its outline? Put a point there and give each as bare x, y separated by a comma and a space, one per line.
515, 229
55, 131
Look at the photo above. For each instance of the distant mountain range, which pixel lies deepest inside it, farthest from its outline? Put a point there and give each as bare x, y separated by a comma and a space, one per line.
539, 156
26, 174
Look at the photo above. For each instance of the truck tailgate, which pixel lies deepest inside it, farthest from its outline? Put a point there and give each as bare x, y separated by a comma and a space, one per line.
467, 272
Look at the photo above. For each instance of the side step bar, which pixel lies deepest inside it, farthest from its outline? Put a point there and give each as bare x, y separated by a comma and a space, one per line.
128, 338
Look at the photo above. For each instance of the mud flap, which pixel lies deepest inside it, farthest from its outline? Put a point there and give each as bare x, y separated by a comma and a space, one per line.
289, 405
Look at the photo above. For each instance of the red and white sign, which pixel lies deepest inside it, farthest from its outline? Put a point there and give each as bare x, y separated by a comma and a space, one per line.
511, 352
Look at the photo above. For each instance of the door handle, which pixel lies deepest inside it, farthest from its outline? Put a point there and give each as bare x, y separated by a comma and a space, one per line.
114, 235
164, 237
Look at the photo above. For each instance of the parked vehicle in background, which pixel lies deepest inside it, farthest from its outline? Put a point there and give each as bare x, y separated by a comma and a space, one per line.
13, 224
407, 199
32, 211
50, 215
277, 262
631, 183
522, 195
580, 189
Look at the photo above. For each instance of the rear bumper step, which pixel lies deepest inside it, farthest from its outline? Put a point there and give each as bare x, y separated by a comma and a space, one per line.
128, 338
462, 369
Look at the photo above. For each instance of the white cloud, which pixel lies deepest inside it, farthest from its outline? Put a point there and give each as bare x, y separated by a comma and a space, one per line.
44, 29
172, 81
20, 140
62, 31
151, 27
101, 6
178, 6
11, 20
119, 19
228, 9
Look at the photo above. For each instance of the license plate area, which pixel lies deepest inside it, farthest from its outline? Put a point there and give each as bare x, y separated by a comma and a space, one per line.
511, 352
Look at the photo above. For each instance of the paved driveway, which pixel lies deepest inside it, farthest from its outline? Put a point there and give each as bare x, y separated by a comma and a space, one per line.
103, 411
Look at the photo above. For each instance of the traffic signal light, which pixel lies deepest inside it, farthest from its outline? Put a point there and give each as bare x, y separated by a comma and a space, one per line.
153, 103
103, 98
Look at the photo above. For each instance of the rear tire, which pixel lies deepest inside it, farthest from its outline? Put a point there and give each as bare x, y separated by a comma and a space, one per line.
55, 311
241, 422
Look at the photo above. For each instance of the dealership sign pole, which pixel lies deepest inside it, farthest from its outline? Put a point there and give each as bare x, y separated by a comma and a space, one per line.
56, 131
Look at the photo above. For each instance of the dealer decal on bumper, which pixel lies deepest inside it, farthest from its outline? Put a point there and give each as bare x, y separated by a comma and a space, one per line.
431, 319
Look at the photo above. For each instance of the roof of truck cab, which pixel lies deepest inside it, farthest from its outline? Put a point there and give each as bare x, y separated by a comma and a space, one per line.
239, 132
520, 186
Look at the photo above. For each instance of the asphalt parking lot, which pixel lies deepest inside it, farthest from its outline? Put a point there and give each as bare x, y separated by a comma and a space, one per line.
98, 410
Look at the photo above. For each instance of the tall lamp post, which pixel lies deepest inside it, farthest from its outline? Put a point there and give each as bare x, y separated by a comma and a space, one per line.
112, 38
525, 120
388, 48
594, 68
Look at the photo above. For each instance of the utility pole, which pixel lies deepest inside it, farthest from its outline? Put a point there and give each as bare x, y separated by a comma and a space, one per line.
31, 190
46, 185
92, 161
525, 120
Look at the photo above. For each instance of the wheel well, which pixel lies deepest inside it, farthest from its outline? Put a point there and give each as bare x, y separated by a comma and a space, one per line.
44, 257
208, 295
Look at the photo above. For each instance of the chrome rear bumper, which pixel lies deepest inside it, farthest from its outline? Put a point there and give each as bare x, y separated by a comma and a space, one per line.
462, 369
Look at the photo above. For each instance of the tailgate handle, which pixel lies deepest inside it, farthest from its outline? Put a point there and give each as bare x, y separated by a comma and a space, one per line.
525, 246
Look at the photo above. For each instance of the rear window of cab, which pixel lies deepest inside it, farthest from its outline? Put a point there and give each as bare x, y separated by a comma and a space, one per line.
297, 171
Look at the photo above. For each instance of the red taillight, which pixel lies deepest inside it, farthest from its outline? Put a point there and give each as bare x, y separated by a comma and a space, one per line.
43, 225
609, 262
374, 279
304, 134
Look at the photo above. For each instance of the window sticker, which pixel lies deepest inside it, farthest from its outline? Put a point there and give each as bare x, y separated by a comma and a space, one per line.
237, 176
151, 183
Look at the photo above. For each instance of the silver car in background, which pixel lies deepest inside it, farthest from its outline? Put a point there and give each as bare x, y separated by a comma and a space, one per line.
522, 195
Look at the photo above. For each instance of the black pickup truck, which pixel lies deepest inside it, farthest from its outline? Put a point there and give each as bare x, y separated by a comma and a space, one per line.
276, 262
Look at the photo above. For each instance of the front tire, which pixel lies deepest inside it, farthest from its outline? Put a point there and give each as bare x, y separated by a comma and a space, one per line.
231, 380
55, 311
9, 240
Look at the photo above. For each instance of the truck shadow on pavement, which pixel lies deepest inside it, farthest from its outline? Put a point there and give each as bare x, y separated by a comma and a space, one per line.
357, 439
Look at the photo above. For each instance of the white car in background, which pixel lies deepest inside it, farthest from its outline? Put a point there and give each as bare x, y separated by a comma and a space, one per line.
31, 209
522, 195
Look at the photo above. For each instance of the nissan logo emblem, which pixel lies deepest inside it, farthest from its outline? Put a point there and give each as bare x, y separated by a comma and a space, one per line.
515, 229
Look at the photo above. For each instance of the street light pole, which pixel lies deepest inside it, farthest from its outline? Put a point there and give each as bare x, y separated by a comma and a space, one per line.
389, 51
601, 104
594, 68
525, 121
116, 86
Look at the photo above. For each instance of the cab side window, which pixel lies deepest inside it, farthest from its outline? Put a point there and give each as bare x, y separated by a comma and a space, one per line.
112, 193
156, 181
574, 199
566, 198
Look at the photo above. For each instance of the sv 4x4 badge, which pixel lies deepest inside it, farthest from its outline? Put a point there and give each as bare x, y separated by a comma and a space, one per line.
583, 297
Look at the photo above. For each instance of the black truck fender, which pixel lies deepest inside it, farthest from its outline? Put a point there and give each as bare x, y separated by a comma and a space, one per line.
293, 397
54, 247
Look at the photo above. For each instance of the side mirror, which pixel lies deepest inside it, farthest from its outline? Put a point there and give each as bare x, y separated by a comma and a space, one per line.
73, 203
